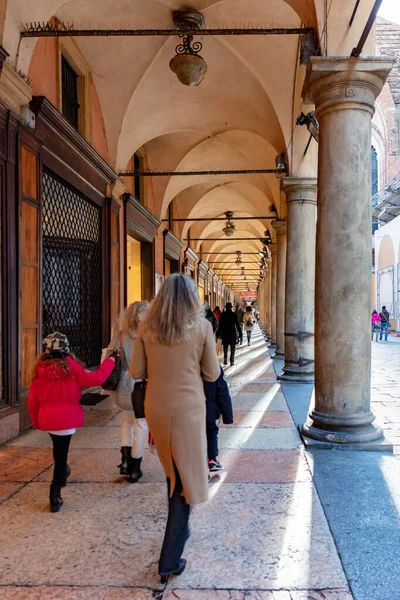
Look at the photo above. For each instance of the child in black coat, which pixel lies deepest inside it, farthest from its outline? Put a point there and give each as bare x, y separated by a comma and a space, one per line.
218, 402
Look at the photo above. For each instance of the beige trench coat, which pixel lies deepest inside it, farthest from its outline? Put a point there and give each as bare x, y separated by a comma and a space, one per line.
175, 404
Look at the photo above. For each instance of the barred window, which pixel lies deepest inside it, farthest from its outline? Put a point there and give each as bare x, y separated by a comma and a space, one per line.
70, 105
72, 282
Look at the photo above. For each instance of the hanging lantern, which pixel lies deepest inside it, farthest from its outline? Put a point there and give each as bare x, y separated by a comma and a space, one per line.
230, 227
188, 65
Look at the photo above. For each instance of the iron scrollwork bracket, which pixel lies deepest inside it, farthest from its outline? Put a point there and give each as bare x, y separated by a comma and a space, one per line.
187, 47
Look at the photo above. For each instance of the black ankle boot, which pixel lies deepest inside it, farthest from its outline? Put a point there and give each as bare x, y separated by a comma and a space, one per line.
178, 571
125, 466
136, 472
67, 474
56, 501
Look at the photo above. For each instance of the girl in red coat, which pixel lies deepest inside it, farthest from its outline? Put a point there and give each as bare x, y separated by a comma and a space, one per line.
54, 402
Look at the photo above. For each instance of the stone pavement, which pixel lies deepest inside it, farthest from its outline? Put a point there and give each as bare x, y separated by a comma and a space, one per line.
385, 387
360, 491
263, 535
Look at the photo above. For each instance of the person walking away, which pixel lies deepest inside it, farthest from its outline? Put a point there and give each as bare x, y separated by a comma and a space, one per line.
54, 402
175, 351
228, 330
385, 320
375, 324
240, 313
134, 432
211, 318
218, 403
217, 312
248, 321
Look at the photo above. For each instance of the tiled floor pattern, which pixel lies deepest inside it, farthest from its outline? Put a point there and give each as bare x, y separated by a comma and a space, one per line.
262, 536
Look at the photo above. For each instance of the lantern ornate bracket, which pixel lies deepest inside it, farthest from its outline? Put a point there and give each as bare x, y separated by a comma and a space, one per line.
187, 64
187, 20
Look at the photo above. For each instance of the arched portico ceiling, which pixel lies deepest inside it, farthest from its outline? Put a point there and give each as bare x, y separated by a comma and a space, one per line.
235, 197
222, 245
230, 97
214, 229
248, 84
226, 150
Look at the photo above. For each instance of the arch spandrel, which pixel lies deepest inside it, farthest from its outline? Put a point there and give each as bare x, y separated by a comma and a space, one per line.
386, 256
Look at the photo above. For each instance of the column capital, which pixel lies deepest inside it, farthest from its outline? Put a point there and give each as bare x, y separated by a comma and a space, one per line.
335, 83
273, 248
280, 226
300, 189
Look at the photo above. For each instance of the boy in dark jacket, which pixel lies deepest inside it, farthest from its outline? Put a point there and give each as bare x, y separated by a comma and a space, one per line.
218, 402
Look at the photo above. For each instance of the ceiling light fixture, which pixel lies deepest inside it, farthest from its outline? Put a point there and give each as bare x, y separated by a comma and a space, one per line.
238, 258
188, 65
230, 227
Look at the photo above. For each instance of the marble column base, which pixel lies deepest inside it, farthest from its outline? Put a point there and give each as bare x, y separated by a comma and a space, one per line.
296, 376
344, 436
279, 354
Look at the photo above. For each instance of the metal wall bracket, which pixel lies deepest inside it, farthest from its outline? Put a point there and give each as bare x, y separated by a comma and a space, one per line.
301, 335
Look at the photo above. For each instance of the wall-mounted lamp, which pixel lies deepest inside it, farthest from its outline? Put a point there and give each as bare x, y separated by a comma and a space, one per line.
310, 122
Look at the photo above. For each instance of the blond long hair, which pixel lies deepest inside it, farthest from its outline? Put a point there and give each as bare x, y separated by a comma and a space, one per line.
132, 315
175, 311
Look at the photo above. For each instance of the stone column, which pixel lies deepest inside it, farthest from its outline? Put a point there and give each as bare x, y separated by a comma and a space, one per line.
274, 251
280, 227
301, 200
268, 298
343, 91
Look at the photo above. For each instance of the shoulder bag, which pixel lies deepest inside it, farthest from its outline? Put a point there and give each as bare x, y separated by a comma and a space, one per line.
112, 381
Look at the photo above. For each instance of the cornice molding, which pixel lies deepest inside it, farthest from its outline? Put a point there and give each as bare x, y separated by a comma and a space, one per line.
15, 92
191, 255
46, 111
172, 245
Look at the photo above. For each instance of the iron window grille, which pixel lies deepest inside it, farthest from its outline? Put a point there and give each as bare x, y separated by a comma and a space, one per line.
70, 105
72, 282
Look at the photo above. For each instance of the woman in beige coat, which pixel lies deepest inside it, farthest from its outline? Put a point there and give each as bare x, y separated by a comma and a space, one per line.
175, 350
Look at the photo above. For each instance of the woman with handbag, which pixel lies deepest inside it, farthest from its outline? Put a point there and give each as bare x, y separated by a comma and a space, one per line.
174, 350
248, 322
134, 430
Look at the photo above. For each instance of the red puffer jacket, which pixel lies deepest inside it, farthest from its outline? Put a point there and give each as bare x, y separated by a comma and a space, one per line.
54, 396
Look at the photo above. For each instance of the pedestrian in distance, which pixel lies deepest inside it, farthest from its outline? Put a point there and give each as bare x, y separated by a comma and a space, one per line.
385, 321
175, 352
248, 321
134, 432
375, 325
240, 314
211, 317
218, 403
54, 402
217, 312
228, 331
